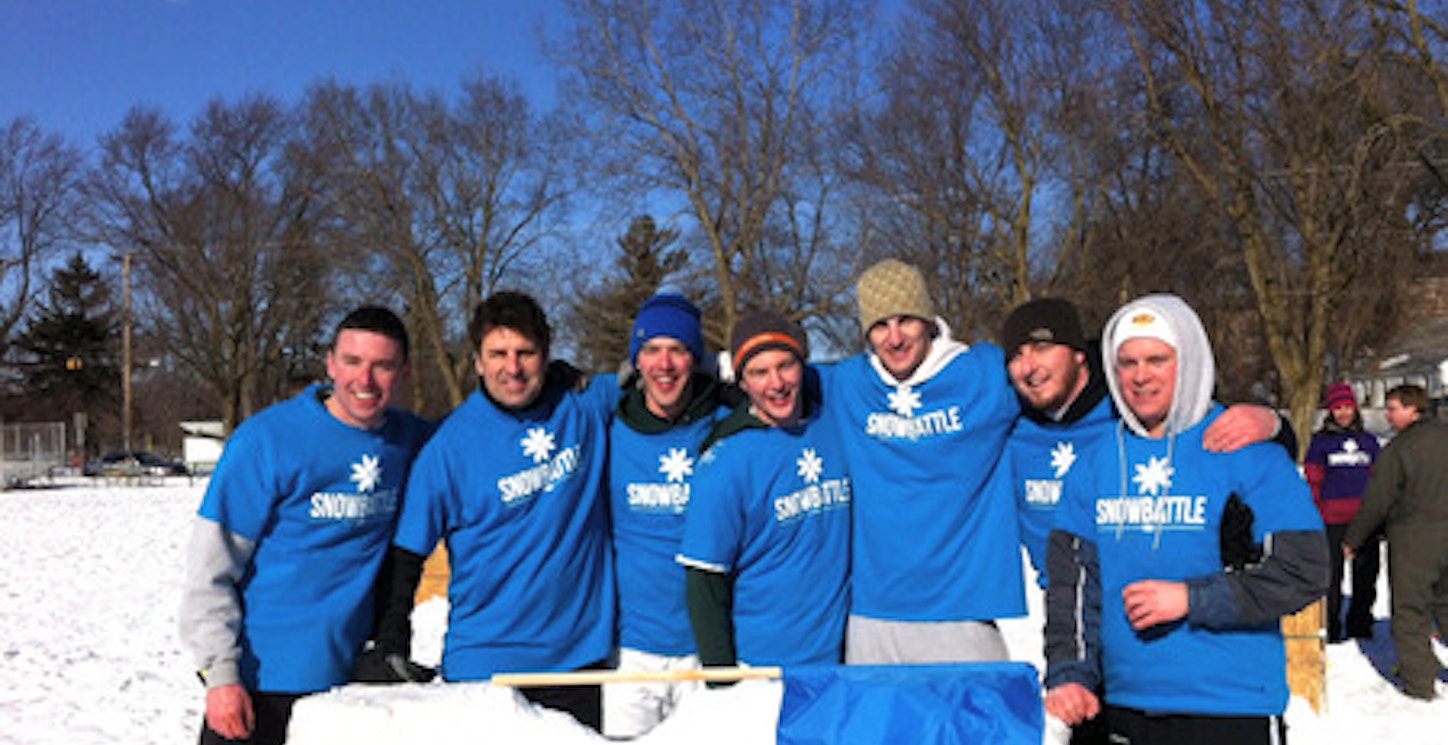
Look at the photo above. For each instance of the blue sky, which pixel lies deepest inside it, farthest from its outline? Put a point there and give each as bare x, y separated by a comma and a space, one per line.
77, 66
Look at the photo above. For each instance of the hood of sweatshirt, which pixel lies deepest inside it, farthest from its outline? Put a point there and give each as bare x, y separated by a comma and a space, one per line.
943, 349
1196, 367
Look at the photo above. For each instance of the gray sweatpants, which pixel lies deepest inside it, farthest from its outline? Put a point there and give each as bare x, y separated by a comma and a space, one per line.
873, 641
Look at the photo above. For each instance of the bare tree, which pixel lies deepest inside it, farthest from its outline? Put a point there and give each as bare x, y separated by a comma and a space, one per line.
729, 108
220, 223
985, 141
361, 141
39, 175
1267, 108
1425, 37
916, 154
444, 199
998, 51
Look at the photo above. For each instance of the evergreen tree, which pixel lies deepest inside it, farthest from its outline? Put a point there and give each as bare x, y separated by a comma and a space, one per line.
603, 318
67, 354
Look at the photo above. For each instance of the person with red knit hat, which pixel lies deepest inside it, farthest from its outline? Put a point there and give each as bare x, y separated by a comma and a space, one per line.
1337, 466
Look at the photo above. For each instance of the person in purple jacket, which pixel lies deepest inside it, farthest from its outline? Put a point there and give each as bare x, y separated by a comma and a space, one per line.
1337, 467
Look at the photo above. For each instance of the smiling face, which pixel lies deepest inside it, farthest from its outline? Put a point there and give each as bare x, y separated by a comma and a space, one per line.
365, 368
1147, 372
1047, 375
511, 366
901, 343
665, 366
771, 379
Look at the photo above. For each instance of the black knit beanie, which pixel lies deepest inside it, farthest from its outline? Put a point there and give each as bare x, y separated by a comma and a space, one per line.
1047, 319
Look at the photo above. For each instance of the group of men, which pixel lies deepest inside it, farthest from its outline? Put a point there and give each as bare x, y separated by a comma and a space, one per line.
868, 511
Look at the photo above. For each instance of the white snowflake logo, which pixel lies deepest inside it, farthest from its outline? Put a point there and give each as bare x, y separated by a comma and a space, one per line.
1063, 456
810, 466
367, 472
904, 402
538, 445
676, 464
1155, 476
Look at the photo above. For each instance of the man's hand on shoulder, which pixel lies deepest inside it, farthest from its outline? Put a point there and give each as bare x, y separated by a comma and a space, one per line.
1240, 426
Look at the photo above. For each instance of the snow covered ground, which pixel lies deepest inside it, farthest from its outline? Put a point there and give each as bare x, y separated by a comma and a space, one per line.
89, 581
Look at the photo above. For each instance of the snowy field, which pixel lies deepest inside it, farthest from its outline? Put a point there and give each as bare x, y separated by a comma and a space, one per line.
89, 581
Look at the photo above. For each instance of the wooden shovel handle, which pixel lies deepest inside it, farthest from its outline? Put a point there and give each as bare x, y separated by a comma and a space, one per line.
597, 677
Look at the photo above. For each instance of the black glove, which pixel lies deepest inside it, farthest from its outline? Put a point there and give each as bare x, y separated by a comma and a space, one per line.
1238, 548
566, 376
377, 665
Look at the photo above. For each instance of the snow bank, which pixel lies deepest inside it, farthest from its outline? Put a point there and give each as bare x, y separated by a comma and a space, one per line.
463, 713
90, 582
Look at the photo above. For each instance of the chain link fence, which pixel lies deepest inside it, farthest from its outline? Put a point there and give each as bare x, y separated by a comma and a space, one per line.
30, 452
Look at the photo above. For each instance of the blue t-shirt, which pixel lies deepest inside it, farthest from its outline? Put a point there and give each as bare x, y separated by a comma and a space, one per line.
935, 535
1043, 457
319, 498
650, 477
1153, 507
771, 506
519, 499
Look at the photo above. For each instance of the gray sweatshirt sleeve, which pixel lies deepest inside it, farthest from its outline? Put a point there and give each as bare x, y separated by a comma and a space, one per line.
210, 618
1294, 573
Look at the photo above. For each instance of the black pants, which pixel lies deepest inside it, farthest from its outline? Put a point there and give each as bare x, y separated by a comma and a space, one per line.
1135, 727
273, 714
1364, 586
1091, 732
585, 703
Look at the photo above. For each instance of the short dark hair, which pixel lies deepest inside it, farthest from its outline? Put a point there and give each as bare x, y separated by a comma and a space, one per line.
1410, 395
378, 320
513, 310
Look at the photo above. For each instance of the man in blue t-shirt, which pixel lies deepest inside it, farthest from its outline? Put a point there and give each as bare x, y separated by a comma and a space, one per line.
767, 532
1171, 566
925, 419
514, 482
669, 405
292, 532
1066, 411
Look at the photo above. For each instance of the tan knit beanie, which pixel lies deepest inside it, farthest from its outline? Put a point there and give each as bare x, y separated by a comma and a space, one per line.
892, 288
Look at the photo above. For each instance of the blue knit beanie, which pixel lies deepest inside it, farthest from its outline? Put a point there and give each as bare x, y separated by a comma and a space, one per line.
667, 315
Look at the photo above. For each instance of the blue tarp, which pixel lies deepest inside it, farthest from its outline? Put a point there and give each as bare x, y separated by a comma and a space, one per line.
996, 703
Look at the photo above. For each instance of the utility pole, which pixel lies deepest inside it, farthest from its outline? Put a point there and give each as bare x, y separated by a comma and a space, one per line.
126, 352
